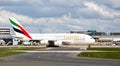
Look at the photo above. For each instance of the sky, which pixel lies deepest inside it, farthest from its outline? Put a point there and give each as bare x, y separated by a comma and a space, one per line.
61, 16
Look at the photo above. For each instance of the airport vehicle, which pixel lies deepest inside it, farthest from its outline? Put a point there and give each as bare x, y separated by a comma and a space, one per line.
116, 41
50, 39
2, 42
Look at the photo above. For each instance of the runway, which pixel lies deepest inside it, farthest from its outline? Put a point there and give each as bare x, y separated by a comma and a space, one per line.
56, 59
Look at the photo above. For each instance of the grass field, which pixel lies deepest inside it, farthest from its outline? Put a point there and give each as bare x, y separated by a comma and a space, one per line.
8, 51
105, 49
17, 48
114, 54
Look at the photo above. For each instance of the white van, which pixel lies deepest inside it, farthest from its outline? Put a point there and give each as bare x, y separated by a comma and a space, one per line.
2, 42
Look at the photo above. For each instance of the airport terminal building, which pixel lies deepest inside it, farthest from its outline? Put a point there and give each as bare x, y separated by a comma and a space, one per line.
5, 36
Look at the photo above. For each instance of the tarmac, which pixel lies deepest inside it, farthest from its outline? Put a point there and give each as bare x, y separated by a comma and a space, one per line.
56, 57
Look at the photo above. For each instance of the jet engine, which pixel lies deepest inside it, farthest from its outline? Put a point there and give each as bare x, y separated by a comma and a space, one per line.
44, 41
58, 43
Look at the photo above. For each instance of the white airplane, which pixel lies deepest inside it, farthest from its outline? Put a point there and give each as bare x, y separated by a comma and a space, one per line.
57, 38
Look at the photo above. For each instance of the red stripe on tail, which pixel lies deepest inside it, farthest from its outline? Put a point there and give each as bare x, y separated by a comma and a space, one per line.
25, 32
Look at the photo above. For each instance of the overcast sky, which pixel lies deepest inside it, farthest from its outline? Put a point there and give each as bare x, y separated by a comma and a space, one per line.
54, 16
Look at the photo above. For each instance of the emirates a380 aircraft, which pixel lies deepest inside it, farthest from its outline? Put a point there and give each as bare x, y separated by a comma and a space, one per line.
57, 38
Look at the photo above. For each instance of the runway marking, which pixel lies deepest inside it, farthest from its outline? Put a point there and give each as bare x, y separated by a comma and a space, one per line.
53, 51
49, 48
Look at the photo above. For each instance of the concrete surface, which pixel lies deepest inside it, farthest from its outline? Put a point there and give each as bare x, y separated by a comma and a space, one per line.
55, 59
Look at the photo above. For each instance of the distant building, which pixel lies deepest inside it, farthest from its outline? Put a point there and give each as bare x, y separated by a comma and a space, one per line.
4, 30
90, 32
80, 32
115, 33
98, 33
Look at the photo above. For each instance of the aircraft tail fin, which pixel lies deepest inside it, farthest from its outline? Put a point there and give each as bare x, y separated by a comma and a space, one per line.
18, 28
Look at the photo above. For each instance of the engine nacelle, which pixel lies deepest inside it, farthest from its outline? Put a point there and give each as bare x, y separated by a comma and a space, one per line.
44, 42
58, 43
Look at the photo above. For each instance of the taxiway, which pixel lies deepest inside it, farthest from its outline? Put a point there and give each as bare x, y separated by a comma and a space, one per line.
64, 58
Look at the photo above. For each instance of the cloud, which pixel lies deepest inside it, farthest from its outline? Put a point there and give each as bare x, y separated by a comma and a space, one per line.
4, 15
11, 2
64, 23
105, 13
57, 8
48, 16
43, 8
112, 4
